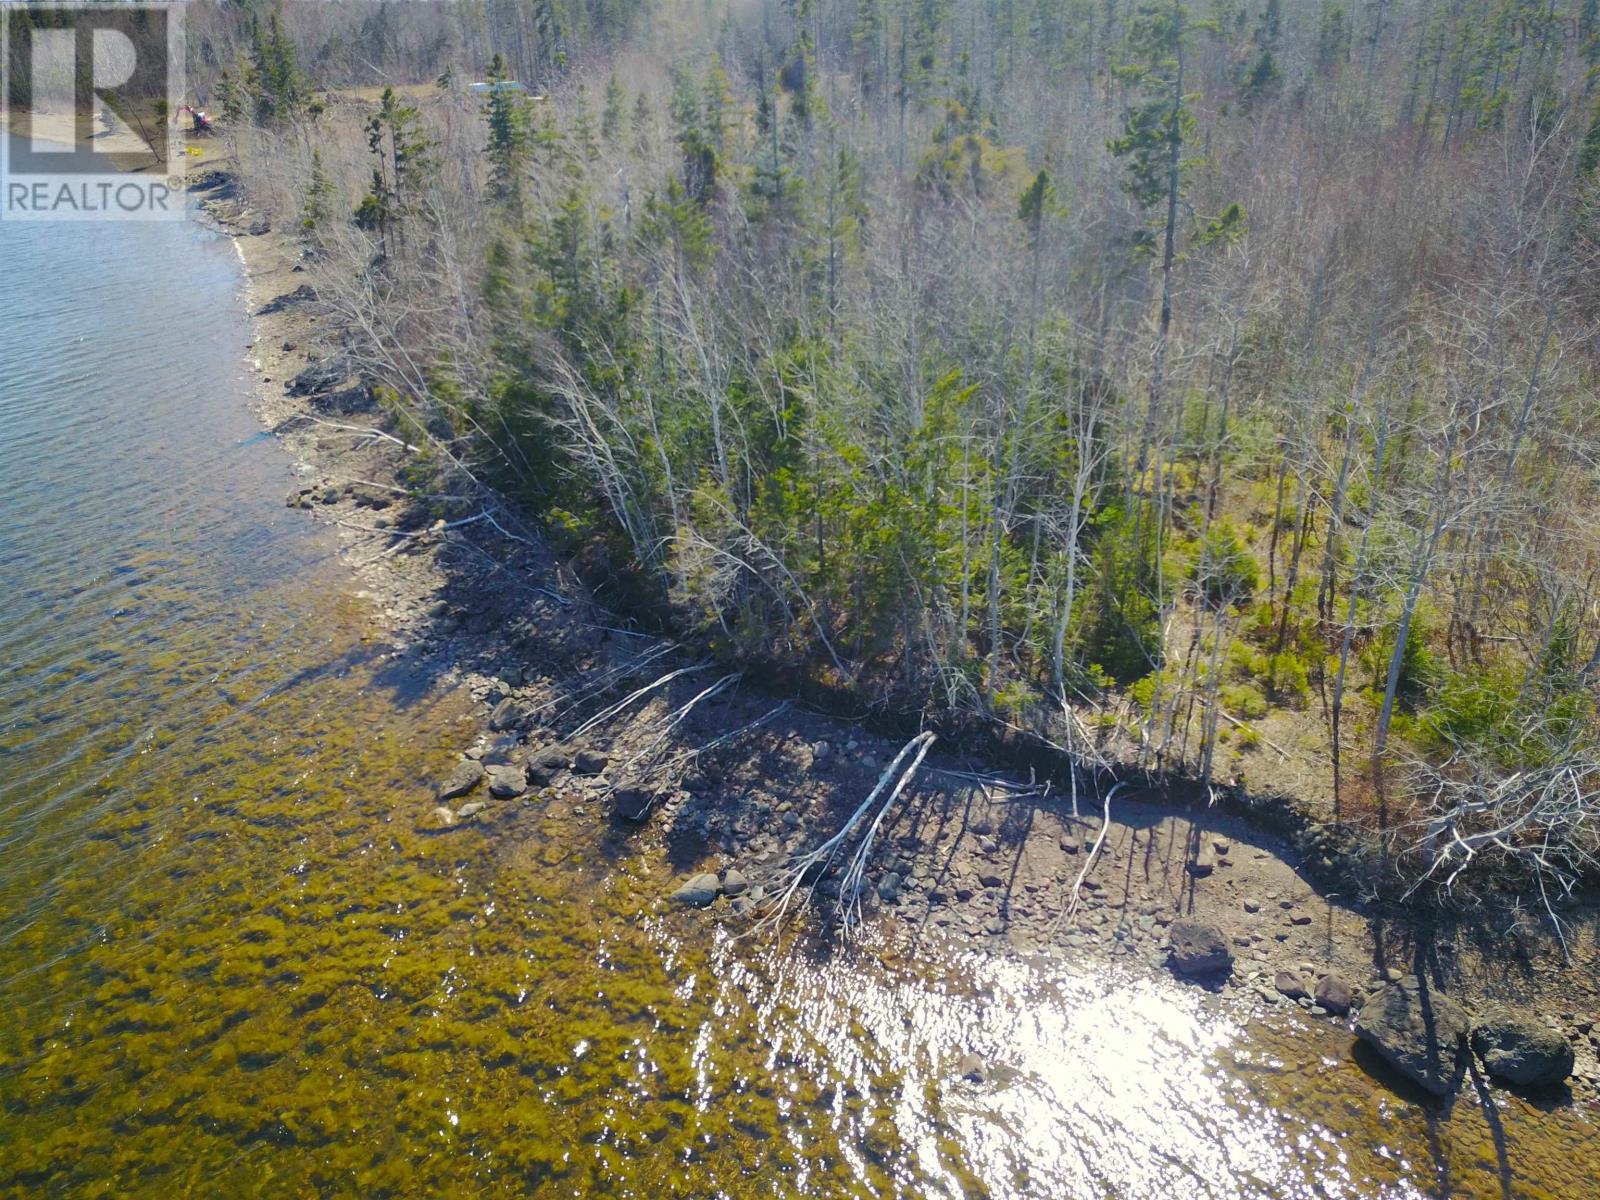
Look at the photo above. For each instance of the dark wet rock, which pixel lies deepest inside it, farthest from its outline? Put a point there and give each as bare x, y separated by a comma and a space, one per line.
510, 713
506, 782
320, 377
733, 882
1518, 1048
1419, 1031
1068, 843
1203, 863
1335, 994
698, 891
889, 886
633, 803
1199, 949
467, 775
589, 762
1292, 984
301, 295
346, 401
544, 765
1300, 919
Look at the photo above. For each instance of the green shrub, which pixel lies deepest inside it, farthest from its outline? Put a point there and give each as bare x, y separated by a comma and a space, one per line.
1224, 570
1243, 700
1288, 677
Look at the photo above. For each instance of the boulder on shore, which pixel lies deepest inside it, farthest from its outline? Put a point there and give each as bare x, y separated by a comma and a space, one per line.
1419, 1031
510, 713
1519, 1049
466, 776
1292, 984
589, 762
633, 803
699, 891
1199, 949
1335, 994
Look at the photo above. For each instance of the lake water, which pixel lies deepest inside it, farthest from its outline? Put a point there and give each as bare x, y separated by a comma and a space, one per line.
229, 966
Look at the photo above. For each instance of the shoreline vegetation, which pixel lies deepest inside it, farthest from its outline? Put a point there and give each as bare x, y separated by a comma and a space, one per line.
506, 364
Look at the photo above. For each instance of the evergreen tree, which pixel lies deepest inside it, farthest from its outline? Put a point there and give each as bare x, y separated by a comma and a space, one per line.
397, 140
506, 114
278, 88
318, 198
614, 117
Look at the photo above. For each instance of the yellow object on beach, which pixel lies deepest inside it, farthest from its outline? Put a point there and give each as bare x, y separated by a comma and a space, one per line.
194, 151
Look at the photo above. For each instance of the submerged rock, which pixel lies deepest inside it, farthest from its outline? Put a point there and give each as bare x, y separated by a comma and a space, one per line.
1518, 1048
972, 1068
467, 775
1419, 1031
733, 882
1199, 949
506, 782
699, 891
440, 818
544, 765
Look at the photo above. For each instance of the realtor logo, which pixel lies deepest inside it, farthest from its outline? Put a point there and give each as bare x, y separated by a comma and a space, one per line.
89, 95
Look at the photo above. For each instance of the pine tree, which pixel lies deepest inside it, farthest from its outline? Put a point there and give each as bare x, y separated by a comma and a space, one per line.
396, 138
278, 89
614, 117
318, 197
1260, 82
1589, 152
506, 115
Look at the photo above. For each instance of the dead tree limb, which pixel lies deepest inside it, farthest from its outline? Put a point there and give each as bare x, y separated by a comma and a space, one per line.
807, 868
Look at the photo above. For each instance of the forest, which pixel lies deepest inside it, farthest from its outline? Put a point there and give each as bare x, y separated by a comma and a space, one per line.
1203, 386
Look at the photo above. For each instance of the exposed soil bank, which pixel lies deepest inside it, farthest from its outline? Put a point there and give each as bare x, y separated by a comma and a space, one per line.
967, 858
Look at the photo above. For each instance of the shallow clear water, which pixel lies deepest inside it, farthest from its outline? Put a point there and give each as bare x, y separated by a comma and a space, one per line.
229, 966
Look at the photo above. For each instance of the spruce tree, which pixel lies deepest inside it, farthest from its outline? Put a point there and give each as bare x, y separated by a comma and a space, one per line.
506, 115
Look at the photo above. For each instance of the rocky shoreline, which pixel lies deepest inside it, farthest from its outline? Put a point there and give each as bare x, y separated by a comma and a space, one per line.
728, 783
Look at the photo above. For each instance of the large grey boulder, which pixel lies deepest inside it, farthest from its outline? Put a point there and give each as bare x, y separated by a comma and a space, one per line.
1198, 949
1335, 994
699, 891
1419, 1031
1518, 1048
